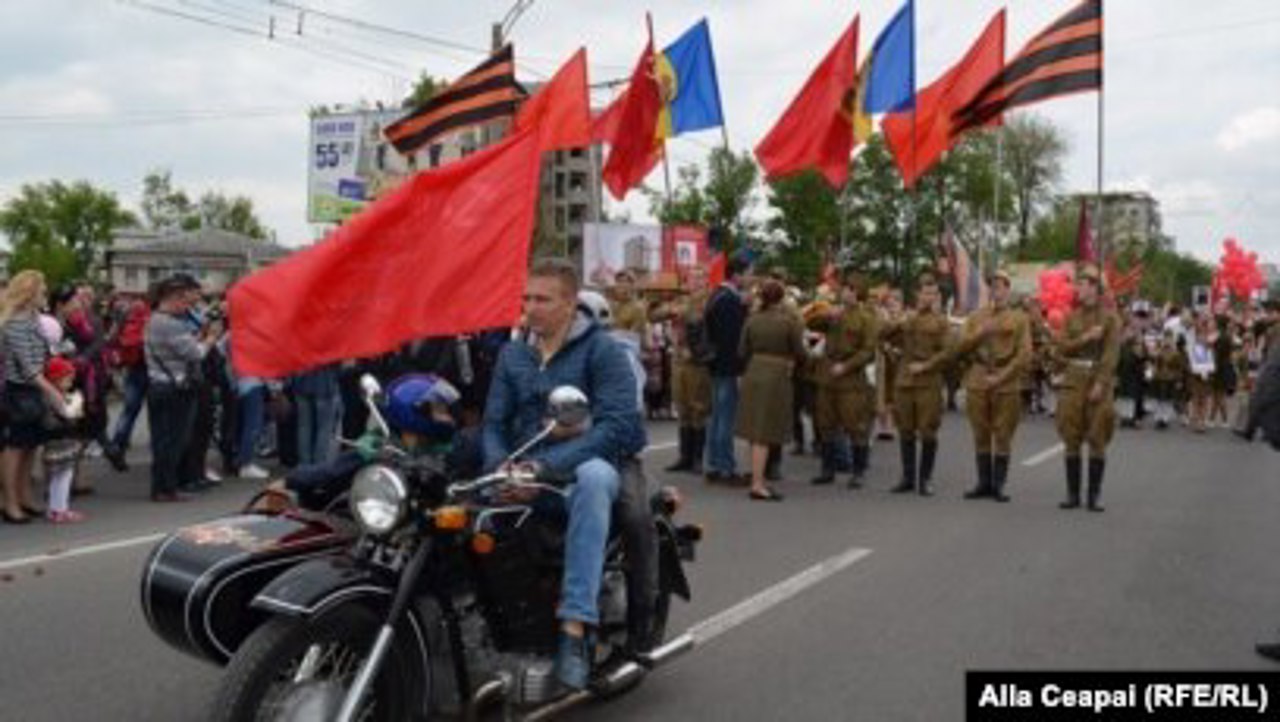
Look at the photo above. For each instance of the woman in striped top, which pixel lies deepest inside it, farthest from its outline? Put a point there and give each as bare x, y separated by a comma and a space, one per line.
25, 355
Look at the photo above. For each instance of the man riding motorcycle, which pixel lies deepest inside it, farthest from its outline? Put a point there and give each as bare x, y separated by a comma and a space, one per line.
566, 348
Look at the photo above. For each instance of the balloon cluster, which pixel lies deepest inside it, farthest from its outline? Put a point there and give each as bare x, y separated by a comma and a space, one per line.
1238, 273
1057, 295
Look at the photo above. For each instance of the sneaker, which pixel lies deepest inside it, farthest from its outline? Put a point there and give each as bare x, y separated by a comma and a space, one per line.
212, 476
65, 517
94, 450
253, 471
573, 660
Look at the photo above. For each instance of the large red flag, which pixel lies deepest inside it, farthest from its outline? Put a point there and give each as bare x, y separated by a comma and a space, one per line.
561, 107
444, 253
636, 149
931, 125
816, 131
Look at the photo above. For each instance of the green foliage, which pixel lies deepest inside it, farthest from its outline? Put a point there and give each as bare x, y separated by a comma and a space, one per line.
722, 201
1033, 153
808, 221
1169, 277
61, 229
169, 209
423, 90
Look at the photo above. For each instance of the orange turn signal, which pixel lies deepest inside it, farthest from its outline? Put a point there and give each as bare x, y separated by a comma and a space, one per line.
483, 543
451, 518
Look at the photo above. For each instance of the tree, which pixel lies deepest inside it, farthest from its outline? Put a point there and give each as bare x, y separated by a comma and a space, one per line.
807, 220
730, 183
722, 202
687, 205
163, 207
1033, 152
423, 90
169, 209
60, 229
233, 214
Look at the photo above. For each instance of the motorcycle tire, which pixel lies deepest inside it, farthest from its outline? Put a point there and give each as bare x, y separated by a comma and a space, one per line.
274, 647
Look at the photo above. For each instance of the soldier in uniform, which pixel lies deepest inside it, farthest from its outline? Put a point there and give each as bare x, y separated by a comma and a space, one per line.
1089, 349
691, 381
999, 337
921, 340
846, 395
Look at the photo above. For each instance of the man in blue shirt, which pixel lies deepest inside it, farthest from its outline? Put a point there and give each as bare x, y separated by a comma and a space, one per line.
566, 348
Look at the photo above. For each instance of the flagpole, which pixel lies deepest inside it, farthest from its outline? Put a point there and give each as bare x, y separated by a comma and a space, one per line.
995, 213
666, 166
1099, 237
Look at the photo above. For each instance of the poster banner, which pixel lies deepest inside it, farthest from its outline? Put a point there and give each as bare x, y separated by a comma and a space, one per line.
351, 164
608, 248
684, 248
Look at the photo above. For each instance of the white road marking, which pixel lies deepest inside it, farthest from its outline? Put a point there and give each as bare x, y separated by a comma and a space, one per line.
146, 539
1045, 455
748, 609
81, 551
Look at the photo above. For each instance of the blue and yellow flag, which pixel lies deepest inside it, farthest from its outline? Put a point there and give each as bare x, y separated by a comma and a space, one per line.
891, 79
686, 72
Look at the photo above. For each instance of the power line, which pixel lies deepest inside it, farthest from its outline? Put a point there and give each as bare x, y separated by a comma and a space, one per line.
366, 25
348, 57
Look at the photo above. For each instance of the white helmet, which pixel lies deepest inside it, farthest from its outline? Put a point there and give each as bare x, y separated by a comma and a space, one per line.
596, 307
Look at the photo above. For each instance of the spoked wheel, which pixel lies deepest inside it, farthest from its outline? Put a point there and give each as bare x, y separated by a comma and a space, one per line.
292, 670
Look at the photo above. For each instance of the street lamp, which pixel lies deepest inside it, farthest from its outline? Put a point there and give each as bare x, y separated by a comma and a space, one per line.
502, 28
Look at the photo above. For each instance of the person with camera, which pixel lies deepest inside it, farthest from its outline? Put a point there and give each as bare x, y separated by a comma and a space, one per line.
174, 355
568, 348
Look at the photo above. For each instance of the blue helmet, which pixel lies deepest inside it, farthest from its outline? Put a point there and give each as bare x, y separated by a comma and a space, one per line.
407, 405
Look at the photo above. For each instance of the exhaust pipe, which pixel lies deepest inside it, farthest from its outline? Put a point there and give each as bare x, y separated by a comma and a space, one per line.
627, 674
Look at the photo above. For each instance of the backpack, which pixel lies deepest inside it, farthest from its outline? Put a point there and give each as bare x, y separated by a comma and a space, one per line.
128, 349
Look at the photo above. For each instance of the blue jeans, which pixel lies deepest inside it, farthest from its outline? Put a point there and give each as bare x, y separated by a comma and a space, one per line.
317, 424
135, 394
253, 408
724, 414
590, 507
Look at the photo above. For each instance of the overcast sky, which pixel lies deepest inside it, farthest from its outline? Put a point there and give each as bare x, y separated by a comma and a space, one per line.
106, 91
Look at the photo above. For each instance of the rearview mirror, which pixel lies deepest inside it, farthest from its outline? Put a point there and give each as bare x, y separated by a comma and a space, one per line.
370, 386
568, 406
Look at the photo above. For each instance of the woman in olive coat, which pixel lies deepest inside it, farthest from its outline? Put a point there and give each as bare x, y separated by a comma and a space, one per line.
772, 344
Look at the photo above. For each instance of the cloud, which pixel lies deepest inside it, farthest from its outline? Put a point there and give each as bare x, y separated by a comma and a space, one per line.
1260, 125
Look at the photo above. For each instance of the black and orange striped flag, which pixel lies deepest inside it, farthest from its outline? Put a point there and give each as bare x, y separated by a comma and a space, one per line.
487, 92
1064, 58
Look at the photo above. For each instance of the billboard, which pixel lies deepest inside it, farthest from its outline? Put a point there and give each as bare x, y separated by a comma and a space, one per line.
351, 164
656, 255
608, 248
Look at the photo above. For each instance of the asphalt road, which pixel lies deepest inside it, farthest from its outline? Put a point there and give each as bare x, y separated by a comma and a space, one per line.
1179, 573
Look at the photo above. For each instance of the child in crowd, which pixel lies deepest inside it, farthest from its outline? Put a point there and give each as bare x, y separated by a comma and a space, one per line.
64, 447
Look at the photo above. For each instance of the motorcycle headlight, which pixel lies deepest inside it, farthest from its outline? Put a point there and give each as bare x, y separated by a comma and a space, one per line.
379, 499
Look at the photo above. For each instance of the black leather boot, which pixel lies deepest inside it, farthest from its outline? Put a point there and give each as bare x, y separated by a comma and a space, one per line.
983, 489
999, 477
685, 460
827, 451
1096, 469
861, 460
1073, 484
928, 453
907, 485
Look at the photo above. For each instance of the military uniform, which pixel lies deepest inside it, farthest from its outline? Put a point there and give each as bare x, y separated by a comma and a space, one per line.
1000, 341
848, 401
691, 381
1089, 350
917, 411
772, 343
